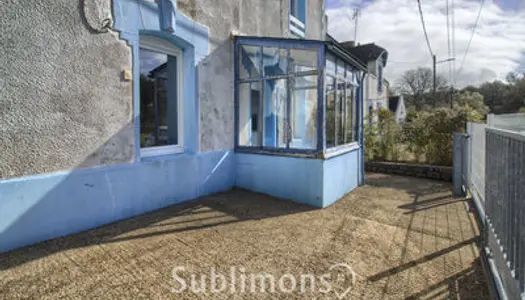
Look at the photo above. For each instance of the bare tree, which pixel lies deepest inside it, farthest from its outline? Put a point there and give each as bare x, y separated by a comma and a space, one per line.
418, 82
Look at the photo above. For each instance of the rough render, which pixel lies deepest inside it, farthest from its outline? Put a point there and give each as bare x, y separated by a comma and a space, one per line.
63, 104
215, 87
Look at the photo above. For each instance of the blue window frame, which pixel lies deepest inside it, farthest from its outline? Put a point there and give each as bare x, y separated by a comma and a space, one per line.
280, 98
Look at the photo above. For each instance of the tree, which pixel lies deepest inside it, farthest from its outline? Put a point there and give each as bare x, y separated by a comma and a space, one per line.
473, 101
419, 82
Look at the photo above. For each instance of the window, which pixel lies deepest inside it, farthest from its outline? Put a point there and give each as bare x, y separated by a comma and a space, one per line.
277, 97
297, 18
341, 84
160, 97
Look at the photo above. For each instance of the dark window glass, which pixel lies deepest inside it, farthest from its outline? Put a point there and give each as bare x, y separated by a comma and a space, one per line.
158, 99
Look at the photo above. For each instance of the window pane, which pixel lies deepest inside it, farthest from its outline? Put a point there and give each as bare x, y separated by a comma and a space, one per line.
350, 111
249, 114
275, 113
340, 68
330, 64
330, 112
158, 99
304, 113
303, 60
274, 61
340, 113
249, 61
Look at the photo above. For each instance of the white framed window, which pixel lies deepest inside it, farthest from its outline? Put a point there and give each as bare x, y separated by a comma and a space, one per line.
161, 97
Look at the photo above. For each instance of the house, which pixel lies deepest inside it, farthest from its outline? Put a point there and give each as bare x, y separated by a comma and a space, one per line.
376, 86
115, 108
396, 104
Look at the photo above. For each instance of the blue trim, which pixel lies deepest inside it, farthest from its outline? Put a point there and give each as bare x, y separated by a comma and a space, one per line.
278, 42
360, 127
254, 149
167, 8
236, 91
321, 110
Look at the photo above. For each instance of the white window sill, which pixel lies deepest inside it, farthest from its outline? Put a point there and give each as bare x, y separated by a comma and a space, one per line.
160, 151
340, 150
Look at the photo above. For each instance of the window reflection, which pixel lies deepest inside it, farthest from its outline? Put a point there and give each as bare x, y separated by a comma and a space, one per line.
304, 113
249, 61
158, 99
330, 111
340, 113
275, 113
303, 60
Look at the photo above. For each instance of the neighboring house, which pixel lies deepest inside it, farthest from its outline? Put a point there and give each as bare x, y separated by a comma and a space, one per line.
376, 86
115, 108
396, 104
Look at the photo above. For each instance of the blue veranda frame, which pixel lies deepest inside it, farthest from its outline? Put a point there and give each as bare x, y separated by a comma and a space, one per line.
322, 48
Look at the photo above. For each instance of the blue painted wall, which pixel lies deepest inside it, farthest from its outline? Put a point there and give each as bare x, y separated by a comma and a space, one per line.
299, 179
312, 181
340, 176
42, 207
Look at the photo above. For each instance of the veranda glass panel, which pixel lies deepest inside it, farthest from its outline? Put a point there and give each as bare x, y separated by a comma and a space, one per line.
304, 112
275, 61
340, 113
303, 60
330, 64
276, 125
330, 111
350, 111
249, 114
249, 61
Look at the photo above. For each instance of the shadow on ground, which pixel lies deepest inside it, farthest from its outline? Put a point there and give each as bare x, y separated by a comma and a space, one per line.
220, 209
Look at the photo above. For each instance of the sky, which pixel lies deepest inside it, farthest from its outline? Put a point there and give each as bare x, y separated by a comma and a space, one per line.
497, 47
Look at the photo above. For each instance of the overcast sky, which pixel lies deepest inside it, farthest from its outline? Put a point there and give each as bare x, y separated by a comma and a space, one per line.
498, 46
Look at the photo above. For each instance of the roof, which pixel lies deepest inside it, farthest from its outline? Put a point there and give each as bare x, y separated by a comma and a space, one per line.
366, 52
393, 102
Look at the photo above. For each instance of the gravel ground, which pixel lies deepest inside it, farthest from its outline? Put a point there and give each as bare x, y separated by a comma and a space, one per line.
403, 238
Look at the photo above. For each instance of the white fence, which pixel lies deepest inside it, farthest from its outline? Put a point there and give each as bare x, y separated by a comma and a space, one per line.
477, 162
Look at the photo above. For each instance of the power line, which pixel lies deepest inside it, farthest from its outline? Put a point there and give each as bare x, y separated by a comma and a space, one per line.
472, 34
424, 27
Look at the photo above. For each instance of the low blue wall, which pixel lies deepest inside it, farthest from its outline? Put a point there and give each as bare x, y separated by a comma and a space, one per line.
340, 175
298, 179
312, 181
38, 208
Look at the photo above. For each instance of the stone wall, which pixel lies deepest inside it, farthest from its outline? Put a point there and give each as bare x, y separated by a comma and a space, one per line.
63, 104
405, 169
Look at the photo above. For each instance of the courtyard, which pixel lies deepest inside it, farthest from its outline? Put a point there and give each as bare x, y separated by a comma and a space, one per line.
405, 238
